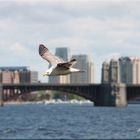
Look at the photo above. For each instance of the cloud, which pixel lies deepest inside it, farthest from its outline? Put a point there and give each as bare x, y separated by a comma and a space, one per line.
13, 51
18, 48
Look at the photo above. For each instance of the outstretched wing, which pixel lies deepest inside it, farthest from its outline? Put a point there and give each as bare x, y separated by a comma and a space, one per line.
45, 54
67, 65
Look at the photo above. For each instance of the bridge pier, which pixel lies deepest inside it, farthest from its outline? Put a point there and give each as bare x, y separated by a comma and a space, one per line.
1, 95
111, 95
120, 95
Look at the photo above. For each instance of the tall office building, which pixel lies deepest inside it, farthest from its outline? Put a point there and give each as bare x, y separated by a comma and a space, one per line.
105, 73
83, 63
130, 70
110, 72
63, 53
136, 70
114, 71
91, 72
126, 70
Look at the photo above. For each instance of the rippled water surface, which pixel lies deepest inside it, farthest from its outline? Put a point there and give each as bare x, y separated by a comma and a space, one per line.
69, 121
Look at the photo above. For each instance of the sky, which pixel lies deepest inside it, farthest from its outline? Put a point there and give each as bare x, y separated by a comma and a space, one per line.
102, 29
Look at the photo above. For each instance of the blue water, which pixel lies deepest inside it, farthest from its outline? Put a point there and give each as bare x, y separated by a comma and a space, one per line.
69, 121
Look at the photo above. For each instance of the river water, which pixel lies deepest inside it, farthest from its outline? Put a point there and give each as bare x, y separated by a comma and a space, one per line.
69, 121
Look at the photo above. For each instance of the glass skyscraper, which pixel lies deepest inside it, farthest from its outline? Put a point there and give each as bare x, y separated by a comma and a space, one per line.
83, 63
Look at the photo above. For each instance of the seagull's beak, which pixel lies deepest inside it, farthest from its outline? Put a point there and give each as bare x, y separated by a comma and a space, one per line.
45, 74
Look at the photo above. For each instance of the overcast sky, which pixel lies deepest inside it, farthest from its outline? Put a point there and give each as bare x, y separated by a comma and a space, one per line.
99, 28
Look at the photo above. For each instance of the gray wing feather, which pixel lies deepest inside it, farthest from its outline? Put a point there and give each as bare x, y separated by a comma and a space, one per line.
67, 65
45, 54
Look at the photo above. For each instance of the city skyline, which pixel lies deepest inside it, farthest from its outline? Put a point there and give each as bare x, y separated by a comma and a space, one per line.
101, 29
122, 70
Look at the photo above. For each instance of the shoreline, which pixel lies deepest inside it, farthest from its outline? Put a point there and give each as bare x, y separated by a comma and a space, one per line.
49, 102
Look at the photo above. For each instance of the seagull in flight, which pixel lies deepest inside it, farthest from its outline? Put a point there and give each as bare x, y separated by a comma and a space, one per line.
57, 65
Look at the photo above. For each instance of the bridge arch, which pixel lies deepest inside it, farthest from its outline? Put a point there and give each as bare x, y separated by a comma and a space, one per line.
82, 90
113, 94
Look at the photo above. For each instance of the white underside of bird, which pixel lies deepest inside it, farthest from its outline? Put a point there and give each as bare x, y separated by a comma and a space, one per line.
52, 71
58, 65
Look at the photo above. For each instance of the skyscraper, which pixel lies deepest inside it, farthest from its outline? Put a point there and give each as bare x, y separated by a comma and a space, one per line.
136, 70
130, 70
91, 72
105, 73
62, 52
114, 71
83, 63
126, 68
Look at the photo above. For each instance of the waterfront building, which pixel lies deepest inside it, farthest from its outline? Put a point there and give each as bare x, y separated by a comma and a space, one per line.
7, 77
130, 70
114, 71
126, 70
136, 70
24, 76
91, 71
83, 63
105, 72
33, 76
18, 75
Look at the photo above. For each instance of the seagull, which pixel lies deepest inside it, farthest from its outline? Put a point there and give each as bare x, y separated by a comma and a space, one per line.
57, 65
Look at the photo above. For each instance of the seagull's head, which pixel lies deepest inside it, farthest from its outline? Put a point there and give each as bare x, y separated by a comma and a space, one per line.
47, 73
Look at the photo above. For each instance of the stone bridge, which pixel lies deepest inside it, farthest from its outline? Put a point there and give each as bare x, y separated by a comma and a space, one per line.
101, 94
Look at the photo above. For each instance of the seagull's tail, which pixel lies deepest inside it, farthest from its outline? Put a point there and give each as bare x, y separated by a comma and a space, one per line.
76, 70
73, 62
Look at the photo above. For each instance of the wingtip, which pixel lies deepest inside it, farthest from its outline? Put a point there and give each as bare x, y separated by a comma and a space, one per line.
42, 49
42, 46
73, 60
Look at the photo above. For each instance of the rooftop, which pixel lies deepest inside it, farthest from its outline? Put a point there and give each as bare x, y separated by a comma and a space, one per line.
14, 68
